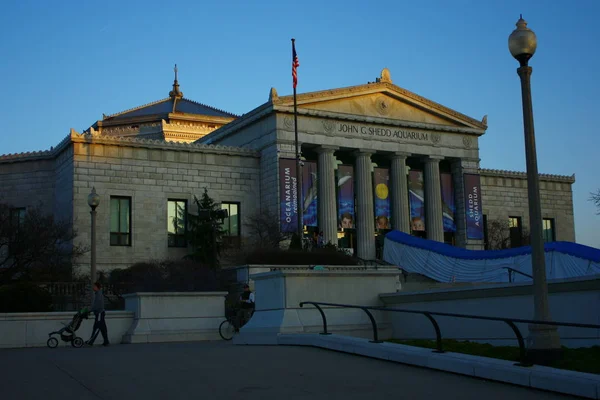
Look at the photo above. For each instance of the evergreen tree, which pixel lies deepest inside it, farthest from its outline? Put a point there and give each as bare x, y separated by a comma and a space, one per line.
205, 232
595, 198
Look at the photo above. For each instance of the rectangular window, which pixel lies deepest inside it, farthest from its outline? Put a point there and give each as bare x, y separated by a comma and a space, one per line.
177, 222
548, 230
17, 217
516, 231
120, 221
16, 221
231, 224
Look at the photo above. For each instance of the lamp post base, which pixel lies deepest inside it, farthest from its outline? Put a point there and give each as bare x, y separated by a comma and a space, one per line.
545, 344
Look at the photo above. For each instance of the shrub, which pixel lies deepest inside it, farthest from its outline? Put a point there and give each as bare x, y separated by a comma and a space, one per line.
24, 297
164, 276
324, 256
296, 242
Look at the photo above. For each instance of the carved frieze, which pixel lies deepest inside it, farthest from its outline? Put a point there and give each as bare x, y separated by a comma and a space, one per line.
467, 141
288, 122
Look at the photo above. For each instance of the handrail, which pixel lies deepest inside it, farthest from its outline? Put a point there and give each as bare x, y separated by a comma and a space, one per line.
523, 361
511, 270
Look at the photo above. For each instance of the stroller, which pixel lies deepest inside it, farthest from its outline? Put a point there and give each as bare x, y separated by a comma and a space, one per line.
67, 334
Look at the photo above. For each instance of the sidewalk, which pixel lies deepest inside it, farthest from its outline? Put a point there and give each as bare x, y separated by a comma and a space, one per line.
220, 370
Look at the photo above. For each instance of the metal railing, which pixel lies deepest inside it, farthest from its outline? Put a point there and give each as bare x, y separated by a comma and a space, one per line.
523, 361
512, 271
70, 296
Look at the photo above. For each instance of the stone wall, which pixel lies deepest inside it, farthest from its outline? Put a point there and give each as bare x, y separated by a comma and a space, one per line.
151, 173
504, 194
63, 184
32, 329
258, 133
28, 184
568, 300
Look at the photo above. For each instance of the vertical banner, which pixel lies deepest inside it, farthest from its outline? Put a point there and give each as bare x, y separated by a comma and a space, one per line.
287, 195
448, 206
345, 183
417, 200
309, 193
473, 207
381, 179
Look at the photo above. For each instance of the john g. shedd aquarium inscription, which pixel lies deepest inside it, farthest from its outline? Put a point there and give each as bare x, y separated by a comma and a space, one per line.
381, 132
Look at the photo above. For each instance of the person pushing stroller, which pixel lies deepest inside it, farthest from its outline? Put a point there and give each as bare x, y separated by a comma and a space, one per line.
99, 315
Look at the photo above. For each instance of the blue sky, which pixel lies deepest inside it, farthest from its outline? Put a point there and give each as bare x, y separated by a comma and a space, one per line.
66, 63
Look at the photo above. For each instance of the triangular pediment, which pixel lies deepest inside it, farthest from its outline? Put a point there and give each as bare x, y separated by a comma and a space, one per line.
382, 100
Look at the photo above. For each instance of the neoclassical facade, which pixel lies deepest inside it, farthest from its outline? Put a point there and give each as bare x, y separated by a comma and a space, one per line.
374, 157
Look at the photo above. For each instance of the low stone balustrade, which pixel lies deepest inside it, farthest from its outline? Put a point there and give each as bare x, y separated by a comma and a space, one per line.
174, 316
278, 294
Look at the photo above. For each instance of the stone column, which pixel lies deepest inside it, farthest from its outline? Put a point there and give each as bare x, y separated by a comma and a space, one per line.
326, 194
365, 213
399, 189
460, 167
434, 224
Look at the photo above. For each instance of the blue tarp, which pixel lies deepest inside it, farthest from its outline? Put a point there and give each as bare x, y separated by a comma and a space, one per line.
447, 263
573, 249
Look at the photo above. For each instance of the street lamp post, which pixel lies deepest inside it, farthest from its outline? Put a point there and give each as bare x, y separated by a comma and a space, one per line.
93, 201
522, 44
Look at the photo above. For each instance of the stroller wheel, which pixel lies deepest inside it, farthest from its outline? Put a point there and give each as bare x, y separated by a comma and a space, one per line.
52, 342
77, 342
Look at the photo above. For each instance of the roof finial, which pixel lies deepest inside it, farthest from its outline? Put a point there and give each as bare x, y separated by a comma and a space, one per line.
175, 93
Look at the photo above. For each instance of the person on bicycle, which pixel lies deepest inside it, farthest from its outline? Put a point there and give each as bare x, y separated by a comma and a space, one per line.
246, 306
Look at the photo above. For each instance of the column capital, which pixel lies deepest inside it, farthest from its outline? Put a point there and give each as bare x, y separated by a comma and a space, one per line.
399, 154
326, 149
363, 152
433, 158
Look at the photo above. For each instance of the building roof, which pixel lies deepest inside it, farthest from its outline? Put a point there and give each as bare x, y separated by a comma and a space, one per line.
170, 105
173, 104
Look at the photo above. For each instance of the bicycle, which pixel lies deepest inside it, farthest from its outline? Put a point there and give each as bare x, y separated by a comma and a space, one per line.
229, 328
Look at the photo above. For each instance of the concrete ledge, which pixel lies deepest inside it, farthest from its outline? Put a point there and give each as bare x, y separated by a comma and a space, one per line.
32, 329
537, 377
174, 316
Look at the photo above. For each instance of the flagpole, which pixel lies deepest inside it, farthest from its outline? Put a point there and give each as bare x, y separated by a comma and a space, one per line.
299, 212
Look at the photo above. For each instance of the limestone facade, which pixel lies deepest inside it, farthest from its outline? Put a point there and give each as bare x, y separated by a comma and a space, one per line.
132, 154
504, 195
149, 172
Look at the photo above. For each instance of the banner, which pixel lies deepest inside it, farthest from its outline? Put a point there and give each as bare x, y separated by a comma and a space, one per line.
473, 207
345, 183
417, 200
381, 179
448, 206
287, 195
309, 193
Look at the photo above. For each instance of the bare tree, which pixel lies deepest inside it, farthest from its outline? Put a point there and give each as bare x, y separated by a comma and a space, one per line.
35, 246
263, 229
595, 198
501, 237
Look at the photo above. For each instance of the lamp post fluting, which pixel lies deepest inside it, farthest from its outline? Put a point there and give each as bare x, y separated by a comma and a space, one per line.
522, 44
93, 202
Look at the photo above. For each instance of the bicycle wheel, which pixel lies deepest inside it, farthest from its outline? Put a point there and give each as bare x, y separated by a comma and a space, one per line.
226, 330
52, 342
77, 342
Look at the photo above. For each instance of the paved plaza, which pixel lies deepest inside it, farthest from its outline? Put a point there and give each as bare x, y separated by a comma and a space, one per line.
221, 370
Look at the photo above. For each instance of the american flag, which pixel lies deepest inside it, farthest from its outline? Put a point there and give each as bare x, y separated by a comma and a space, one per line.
295, 64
